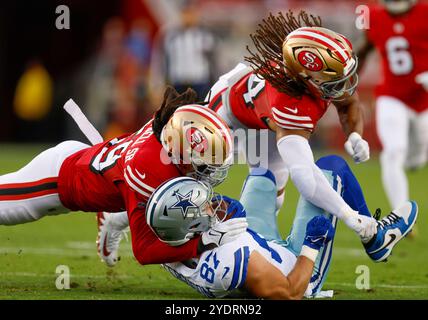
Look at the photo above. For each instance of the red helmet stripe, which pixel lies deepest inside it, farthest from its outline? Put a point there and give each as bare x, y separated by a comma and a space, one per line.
212, 117
329, 37
332, 45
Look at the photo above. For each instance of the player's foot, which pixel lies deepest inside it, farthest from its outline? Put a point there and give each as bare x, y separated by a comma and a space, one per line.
390, 230
108, 239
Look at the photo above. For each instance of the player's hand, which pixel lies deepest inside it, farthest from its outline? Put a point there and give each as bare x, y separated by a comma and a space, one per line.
357, 147
319, 231
223, 232
365, 227
422, 79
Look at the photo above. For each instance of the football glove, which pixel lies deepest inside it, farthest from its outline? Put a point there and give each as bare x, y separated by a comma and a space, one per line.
319, 231
422, 79
357, 147
221, 233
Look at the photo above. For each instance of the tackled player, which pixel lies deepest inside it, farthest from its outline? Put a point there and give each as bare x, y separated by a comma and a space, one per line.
259, 263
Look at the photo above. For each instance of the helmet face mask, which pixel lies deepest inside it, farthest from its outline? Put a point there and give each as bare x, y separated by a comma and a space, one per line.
181, 208
209, 173
398, 6
341, 89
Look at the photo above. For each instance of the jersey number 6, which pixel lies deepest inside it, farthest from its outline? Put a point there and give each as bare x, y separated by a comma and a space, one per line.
399, 58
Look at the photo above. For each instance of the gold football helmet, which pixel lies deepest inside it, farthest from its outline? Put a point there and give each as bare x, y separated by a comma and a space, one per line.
196, 135
323, 60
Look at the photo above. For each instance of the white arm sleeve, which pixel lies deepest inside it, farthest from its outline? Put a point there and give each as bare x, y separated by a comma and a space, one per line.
309, 179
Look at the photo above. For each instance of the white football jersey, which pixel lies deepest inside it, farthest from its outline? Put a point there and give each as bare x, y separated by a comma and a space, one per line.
221, 271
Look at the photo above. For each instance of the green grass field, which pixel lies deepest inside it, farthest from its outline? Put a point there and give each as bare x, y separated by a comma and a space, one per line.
30, 254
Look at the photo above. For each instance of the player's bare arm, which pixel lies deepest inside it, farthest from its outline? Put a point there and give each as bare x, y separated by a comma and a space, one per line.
265, 280
350, 115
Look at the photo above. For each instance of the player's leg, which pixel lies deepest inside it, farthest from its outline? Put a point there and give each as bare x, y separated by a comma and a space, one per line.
112, 227
344, 182
304, 213
271, 159
392, 120
32, 192
258, 197
418, 141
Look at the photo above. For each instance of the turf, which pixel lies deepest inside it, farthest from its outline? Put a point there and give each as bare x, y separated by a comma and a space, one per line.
30, 254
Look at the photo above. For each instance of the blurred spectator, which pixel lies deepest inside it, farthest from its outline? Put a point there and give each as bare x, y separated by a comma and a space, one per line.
117, 100
185, 54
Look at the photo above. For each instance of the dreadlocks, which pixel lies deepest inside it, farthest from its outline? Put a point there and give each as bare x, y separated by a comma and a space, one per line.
172, 100
268, 40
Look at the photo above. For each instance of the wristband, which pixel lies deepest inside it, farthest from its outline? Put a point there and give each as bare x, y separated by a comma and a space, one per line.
309, 253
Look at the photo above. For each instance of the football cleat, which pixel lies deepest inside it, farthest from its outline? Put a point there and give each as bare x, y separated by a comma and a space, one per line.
390, 230
108, 239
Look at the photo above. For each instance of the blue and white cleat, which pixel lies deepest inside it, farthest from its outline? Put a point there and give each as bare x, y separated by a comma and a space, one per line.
390, 230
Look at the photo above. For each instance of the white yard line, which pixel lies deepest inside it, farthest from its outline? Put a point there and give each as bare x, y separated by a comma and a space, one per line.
53, 275
56, 251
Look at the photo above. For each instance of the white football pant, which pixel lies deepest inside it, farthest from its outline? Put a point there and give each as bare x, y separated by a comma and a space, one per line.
32, 192
404, 137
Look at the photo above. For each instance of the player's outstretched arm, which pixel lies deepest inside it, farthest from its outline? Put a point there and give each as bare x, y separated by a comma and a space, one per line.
352, 121
311, 183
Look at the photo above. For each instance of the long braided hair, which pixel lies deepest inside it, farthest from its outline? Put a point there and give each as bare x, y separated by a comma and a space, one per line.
172, 100
268, 61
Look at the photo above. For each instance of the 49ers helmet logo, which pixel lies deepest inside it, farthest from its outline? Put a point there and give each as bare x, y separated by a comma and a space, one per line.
310, 61
197, 140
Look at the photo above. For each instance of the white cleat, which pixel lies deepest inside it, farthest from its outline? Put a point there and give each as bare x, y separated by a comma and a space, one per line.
108, 239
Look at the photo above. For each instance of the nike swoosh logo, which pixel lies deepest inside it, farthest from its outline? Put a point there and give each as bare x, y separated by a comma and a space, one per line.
392, 239
292, 110
105, 251
142, 175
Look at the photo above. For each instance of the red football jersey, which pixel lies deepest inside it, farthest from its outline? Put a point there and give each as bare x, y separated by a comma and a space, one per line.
402, 42
253, 100
120, 175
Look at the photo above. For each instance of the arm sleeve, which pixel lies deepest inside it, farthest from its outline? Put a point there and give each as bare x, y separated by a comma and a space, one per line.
309, 179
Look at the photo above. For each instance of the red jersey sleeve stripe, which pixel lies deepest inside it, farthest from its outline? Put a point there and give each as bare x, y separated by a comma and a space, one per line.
292, 127
286, 116
138, 181
134, 187
296, 124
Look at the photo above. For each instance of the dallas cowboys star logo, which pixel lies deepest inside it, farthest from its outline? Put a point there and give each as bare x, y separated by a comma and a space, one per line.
183, 202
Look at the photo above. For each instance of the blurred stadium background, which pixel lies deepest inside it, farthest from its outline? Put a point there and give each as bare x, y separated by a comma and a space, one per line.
112, 63
111, 60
